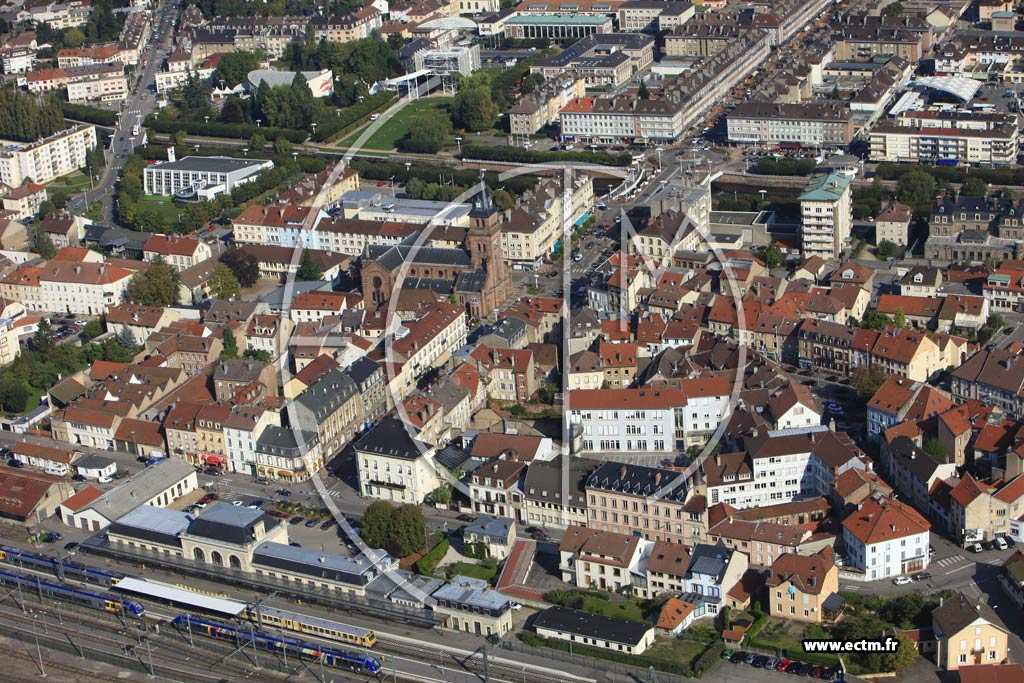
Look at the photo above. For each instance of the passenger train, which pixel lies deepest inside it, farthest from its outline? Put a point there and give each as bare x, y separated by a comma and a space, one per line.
333, 658
37, 586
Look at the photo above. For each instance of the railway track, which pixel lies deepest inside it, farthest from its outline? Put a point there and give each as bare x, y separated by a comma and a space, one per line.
474, 663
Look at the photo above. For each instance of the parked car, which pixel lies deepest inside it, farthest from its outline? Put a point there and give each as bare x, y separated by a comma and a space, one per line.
752, 657
209, 471
727, 654
105, 480
311, 522
795, 668
296, 520
71, 547
1010, 543
974, 547
818, 671
77, 477
760, 661
15, 463
901, 580
783, 664
283, 492
738, 657
262, 481
922, 576
1000, 543
237, 503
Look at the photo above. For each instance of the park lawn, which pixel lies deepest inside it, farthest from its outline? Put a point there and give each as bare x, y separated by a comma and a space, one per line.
473, 571
163, 205
71, 183
676, 651
396, 125
623, 609
786, 637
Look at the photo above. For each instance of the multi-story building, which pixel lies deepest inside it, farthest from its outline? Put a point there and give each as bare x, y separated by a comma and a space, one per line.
548, 504
861, 43
58, 15
968, 632
812, 124
178, 252
48, 158
994, 377
349, 27
22, 203
886, 538
826, 216
652, 16
97, 82
68, 58
541, 107
393, 465
288, 454
899, 142
650, 502
804, 588
601, 60
207, 174
17, 60
628, 420
83, 288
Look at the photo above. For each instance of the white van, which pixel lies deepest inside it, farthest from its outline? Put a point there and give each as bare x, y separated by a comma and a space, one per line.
57, 469
1000, 542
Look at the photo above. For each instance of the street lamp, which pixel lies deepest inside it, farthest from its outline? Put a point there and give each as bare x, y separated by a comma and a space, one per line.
314, 128
658, 150
258, 122
458, 141
206, 119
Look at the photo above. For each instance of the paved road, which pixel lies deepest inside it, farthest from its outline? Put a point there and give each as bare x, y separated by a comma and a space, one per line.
140, 102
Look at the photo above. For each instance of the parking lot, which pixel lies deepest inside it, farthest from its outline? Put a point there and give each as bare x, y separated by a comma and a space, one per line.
754, 662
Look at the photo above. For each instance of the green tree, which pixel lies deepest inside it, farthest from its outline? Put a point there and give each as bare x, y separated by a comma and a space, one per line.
73, 38
234, 67
916, 188
899, 318
409, 530
94, 211
473, 108
196, 97
773, 256
904, 657
377, 527
47, 207
427, 133
93, 328
230, 347
258, 354
157, 286
642, 92
244, 266
257, 142
974, 186
42, 340
442, 495
867, 379
282, 145
308, 270
887, 249
224, 284
504, 200
43, 245
893, 9
233, 110
873, 320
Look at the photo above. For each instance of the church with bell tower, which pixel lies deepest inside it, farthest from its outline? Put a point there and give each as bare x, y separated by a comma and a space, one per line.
476, 276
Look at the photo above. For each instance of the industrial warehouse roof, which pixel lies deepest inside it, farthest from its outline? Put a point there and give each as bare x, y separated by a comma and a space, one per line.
590, 625
959, 86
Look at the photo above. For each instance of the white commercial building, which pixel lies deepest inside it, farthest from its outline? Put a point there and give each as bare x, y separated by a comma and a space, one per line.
826, 216
885, 539
206, 176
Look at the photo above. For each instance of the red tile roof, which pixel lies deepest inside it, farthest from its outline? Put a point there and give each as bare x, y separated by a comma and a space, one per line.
877, 522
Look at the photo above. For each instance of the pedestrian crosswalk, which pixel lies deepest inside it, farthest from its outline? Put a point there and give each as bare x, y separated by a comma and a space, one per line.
949, 561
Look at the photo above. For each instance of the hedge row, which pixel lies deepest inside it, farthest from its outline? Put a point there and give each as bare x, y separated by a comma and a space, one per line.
216, 129
526, 156
81, 112
351, 117
383, 170
954, 174
428, 563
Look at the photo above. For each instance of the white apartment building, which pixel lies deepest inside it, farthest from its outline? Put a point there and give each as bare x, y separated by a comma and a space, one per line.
707, 405
997, 146
46, 159
102, 82
826, 216
18, 60
811, 124
431, 340
886, 539
393, 465
242, 429
82, 288
780, 466
279, 226
627, 420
